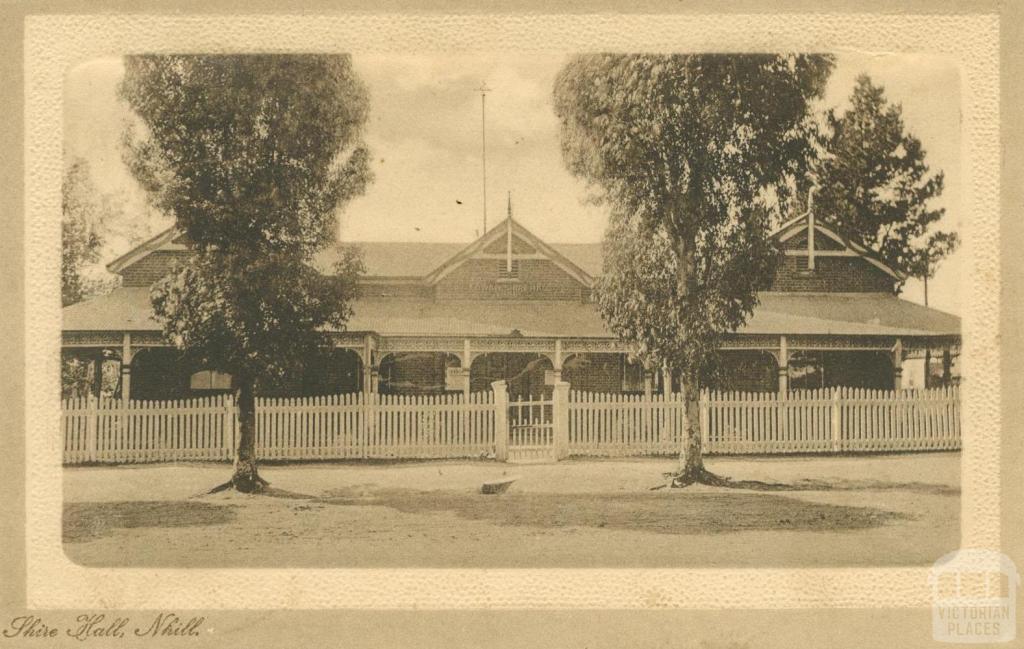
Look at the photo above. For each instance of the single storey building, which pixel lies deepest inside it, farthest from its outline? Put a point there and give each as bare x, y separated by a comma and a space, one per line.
436, 317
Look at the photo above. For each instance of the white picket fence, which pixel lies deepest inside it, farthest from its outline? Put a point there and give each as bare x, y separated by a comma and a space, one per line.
357, 426
835, 420
331, 427
624, 424
366, 426
110, 430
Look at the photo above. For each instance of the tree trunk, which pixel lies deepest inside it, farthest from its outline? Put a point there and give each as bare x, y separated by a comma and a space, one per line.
691, 455
246, 477
927, 368
691, 458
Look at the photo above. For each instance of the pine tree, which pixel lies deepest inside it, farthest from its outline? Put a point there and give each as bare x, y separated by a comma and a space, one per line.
875, 187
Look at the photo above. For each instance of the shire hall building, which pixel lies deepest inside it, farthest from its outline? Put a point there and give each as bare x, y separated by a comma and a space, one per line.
452, 317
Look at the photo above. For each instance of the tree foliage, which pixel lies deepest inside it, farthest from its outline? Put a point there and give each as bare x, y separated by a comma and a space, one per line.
638, 292
690, 152
253, 156
875, 186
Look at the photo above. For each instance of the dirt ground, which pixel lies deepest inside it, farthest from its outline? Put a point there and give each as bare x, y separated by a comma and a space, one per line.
884, 510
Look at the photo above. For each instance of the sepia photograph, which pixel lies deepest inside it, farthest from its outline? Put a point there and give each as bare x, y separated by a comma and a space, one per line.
511, 310
545, 327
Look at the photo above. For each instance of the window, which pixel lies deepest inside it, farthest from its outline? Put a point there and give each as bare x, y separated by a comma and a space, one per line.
210, 380
504, 273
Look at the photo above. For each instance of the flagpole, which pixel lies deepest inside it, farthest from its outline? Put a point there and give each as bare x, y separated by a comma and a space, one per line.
508, 236
483, 144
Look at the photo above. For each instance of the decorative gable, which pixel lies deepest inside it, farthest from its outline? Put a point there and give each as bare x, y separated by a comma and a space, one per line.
150, 260
509, 263
817, 259
519, 247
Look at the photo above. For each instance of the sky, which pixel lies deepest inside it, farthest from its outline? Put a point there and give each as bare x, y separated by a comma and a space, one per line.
424, 133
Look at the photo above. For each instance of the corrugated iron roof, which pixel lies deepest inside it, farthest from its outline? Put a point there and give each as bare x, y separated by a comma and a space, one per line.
868, 314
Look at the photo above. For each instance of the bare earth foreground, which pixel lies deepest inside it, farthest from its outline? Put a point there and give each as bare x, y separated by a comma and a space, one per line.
883, 510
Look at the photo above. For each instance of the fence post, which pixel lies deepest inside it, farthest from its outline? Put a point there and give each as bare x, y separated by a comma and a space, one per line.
123, 425
560, 419
837, 421
227, 428
92, 416
500, 420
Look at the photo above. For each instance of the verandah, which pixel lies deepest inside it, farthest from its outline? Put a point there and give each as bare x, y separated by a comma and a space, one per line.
486, 424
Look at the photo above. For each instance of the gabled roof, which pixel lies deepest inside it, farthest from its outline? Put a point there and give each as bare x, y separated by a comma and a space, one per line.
169, 239
392, 258
801, 223
405, 259
497, 233
409, 259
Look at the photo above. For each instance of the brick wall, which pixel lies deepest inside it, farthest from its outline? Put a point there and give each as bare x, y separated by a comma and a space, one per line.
539, 279
149, 269
831, 274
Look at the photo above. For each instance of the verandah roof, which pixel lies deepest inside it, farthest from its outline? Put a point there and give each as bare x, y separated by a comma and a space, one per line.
852, 314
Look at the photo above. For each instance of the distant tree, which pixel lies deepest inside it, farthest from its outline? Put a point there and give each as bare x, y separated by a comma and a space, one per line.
85, 215
875, 186
253, 156
690, 153
80, 239
926, 258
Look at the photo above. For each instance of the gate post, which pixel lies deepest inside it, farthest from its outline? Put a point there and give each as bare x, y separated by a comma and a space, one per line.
560, 419
837, 421
228, 428
500, 420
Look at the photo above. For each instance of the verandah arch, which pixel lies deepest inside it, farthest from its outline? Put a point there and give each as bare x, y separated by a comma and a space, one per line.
160, 373
417, 372
747, 370
90, 371
523, 371
812, 369
603, 372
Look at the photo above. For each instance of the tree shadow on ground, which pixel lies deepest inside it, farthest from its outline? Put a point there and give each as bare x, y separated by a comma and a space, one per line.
88, 521
679, 513
838, 484
266, 492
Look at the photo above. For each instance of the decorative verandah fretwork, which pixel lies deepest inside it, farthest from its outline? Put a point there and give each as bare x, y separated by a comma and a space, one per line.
371, 348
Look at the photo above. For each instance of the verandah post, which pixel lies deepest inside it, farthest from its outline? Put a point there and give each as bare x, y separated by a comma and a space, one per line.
125, 421
500, 420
